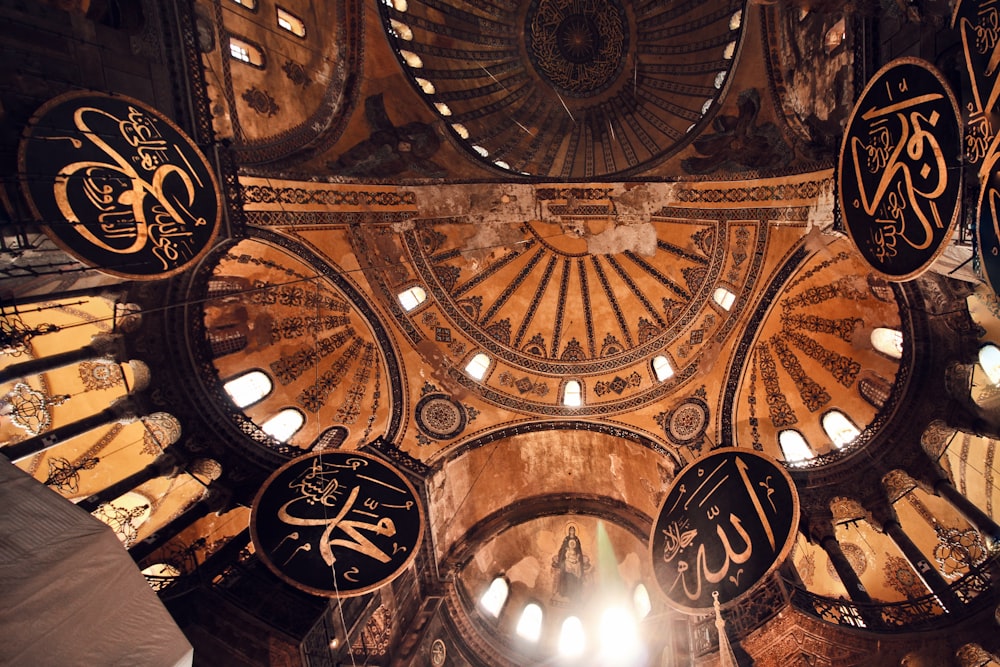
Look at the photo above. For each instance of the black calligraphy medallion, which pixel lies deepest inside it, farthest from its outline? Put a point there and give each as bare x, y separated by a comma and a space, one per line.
978, 24
337, 523
119, 186
900, 167
729, 519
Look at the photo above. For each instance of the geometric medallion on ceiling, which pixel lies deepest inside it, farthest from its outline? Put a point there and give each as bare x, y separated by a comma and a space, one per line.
576, 89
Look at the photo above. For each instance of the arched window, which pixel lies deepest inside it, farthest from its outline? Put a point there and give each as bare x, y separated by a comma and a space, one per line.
412, 297
724, 298
411, 59
284, 425
246, 52
662, 368
249, 388
331, 438
478, 366
572, 394
400, 29
529, 626
291, 23
874, 389
249, 4
494, 597
989, 359
793, 446
572, 638
839, 428
640, 599
888, 341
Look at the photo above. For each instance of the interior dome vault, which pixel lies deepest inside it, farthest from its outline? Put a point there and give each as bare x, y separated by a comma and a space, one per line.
570, 90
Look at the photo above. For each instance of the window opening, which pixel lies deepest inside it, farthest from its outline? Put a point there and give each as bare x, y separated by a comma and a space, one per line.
839, 428
478, 366
284, 425
494, 597
794, 446
291, 23
249, 388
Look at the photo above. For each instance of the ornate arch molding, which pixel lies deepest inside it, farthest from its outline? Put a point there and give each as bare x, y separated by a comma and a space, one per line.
187, 359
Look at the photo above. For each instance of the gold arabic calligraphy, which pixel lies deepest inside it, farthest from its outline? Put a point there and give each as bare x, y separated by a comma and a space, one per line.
140, 202
678, 536
900, 151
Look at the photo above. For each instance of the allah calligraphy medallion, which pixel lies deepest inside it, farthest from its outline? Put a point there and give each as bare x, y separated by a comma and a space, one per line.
337, 523
118, 186
729, 519
899, 171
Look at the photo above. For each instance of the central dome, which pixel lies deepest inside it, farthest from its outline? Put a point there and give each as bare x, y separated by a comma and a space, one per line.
567, 89
579, 47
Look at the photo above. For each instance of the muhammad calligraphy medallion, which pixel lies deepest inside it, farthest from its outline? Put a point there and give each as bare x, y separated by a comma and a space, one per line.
337, 523
118, 185
900, 168
729, 519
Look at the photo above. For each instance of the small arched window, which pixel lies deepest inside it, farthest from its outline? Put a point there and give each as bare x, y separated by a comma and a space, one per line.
291, 23
989, 359
246, 52
572, 394
529, 626
662, 368
411, 59
724, 298
888, 341
400, 29
494, 597
284, 425
793, 446
249, 388
572, 638
478, 366
839, 428
412, 297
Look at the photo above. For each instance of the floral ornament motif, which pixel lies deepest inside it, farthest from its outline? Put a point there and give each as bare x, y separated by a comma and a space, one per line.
899, 575
260, 101
296, 73
100, 374
855, 555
